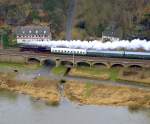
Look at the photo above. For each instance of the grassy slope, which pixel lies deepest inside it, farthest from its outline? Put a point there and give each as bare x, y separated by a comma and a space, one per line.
18, 66
98, 73
60, 70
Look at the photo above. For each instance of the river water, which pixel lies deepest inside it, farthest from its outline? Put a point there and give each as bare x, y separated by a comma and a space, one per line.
22, 109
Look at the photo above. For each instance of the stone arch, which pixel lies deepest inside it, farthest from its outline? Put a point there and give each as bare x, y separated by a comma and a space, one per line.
66, 63
135, 67
100, 65
33, 60
57, 59
83, 64
49, 62
117, 65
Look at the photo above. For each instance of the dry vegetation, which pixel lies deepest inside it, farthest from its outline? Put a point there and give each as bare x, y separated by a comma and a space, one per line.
141, 76
94, 73
40, 88
87, 93
126, 15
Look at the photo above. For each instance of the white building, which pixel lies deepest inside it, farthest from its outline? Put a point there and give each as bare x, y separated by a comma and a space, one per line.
26, 34
109, 36
112, 32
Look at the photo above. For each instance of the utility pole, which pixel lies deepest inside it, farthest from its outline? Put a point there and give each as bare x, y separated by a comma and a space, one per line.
124, 52
73, 59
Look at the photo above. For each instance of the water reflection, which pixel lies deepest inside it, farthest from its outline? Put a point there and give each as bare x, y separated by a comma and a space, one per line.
25, 110
11, 96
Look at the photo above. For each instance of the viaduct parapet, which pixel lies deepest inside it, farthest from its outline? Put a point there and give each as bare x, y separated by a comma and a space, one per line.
70, 61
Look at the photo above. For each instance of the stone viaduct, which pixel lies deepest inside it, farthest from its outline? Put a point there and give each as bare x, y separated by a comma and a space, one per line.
70, 61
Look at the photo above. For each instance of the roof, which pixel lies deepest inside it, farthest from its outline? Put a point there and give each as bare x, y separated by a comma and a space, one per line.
120, 52
33, 30
111, 31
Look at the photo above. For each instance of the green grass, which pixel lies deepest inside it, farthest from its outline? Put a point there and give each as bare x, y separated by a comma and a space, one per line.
113, 73
88, 88
92, 71
60, 70
18, 66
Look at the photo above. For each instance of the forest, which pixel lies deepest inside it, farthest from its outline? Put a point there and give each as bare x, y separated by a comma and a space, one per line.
128, 18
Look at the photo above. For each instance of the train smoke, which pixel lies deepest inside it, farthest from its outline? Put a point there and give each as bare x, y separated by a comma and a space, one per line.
98, 45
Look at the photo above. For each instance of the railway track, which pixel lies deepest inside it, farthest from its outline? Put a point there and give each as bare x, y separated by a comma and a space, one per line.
16, 52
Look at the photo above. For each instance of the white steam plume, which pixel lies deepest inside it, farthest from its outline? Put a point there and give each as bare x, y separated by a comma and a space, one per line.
98, 45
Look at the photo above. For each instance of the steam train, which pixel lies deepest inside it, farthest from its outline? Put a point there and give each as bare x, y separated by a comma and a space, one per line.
93, 53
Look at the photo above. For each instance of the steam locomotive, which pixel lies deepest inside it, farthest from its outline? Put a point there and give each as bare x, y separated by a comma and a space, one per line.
93, 53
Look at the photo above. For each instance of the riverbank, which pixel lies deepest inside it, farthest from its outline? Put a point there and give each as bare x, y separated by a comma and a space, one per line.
39, 88
83, 92
60, 70
138, 76
97, 94
113, 74
94, 73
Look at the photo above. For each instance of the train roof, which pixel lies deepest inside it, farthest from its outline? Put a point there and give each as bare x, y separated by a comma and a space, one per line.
105, 51
113, 51
57, 48
138, 53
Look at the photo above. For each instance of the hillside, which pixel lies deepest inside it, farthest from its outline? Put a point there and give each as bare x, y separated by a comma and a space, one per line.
92, 17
